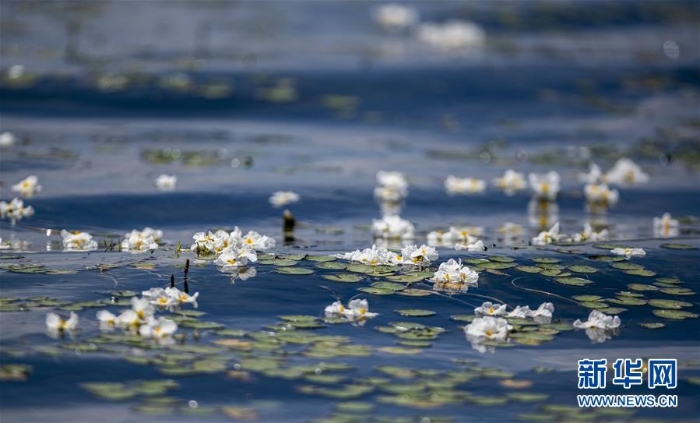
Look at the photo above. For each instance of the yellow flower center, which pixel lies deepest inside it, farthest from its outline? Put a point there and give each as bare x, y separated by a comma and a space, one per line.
363, 310
488, 332
491, 310
545, 188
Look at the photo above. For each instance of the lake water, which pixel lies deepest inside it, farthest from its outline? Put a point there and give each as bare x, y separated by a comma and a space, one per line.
242, 99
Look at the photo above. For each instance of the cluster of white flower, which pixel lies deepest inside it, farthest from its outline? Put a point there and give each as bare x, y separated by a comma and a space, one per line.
356, 311
377, 256
547, 237
665, 227
166, 182
455, 185
589, 234
452, 35
392, 187
28, 186
629, 252
453, 277
599, 326
233, 244
78, 241
553, 235
544, 186
601, 194
282, 198
510, 182
140, 241
542, 315
464, 238
623, 172
169, 298
392, 227
15, 210
57, 325
394, 17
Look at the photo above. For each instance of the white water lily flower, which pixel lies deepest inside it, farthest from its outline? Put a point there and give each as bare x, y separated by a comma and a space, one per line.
543, 314
139, 241
210, 243
128, 319
520, 312
418, 256
107, 319
452, 272
511, 182
157, 234
28, 186
393, 180
159, 297
242, 273
455, 185
334, 310
7, 139
15, 210
142, 307
488, 328
665, 227
545, 186
180, 297
589, 234
375, 256
439, 239
358, 309
282, 198
629, 252
546, 237
166, 182
598, 320
388, 195
55, 323
158, 328
594, 175
490, 309
251, 240
453, 35
601, 194
626, 172
477, 246
392, 227
78, 241
395, 16
234, 257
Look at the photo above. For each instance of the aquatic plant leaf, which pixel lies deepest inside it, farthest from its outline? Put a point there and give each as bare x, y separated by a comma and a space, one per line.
294, 270
530, 269
674, 314
582, 269
332, 265
652, 325
343, 277
414, 312
640, 272
377, 291
675, 246
411, 292
573, 281
320, 259
587, 297
670, 304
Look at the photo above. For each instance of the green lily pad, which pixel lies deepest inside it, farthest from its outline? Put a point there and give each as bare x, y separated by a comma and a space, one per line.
298, 318
295, 257
677, 291
278, 262
343, 277
573, 281
407, 278
414, 312
595, 305
497, 266
527, 396
294, 271
320, 259
331, 265
625, 265
587, 297
673, 246
530, 269
642, 287
629, 301
582, 269
652, 325
674, 314
554, 273
377, 291
545, 260
355, 407
670, 304
389, 285
673, 281
501, 259
640, 272
411, 292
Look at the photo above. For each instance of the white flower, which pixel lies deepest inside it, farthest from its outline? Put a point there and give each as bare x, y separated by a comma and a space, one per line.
589, 234
544, 313
210, 243
143, 308
545, 186
392, 227
282, 198
665, 227
28, 186
242, 273
477, 246
439, 238
179, 297
510, 182
107, 319
490, 309
334, 310
395, 16
594, 175
128, 319
454, 185
235, 257
158, 328
546, 237
7, 139
160, 297
419, 256
488, 328
356, 311
15, 210
453, 35
375, 256
54, 322
251, 240
388, 195
626, 172
598, 320
520, 312
629, 252
452, 272
166, 182
601, 194
393, 180
139, 241
78, 241
155, 233
15, 72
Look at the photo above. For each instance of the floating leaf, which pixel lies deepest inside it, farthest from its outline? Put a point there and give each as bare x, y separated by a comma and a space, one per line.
408, 278
583, 269
389, 285
414, 312
410, 292
652, 325
625, 265
670, 304
595, 305
400, 350
529, 269
672, 246
673, 281
295, 257
377, 291
642, 287
527, 396
320, 259
545, 260
640, 272
331, 265
674, 314
677, 291
573, 281
343, 277
498, 266
355, 407
587, 297
614, 310
278, 262
501, 259
629, 301
294, 271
